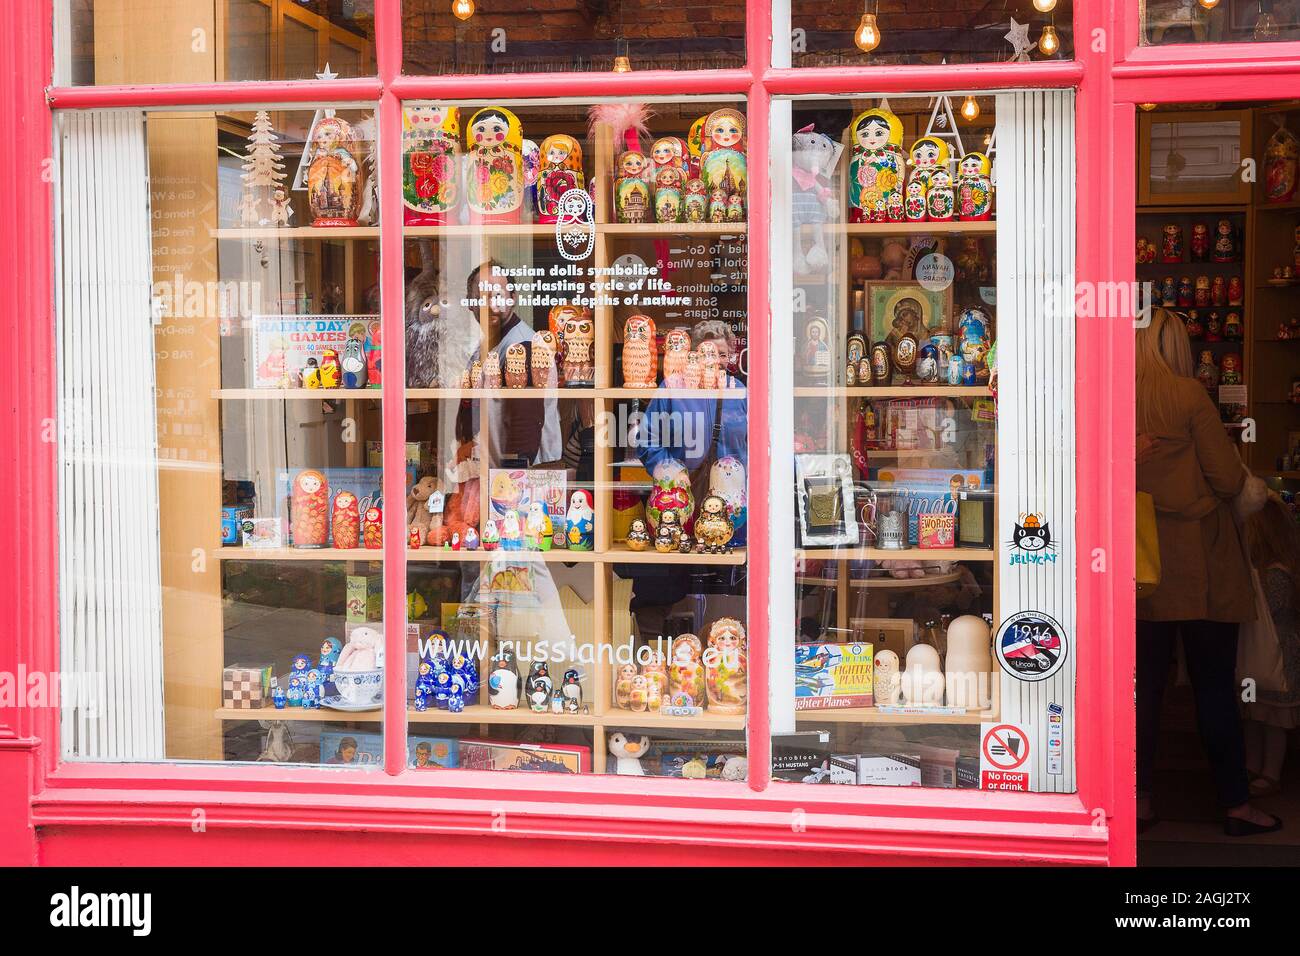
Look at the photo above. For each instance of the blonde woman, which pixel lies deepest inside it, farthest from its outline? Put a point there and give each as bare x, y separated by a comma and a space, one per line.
1191, 468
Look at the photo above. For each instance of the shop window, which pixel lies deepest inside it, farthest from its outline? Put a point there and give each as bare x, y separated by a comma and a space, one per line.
930, 598
515, 36
219, 573
576, 330
890, 32
206, 41
1219, 21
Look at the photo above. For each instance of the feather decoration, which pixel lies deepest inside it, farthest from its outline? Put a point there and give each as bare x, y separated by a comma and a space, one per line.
628, 121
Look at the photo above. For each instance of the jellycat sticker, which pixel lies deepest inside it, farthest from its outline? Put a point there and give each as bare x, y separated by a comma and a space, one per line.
1031, 542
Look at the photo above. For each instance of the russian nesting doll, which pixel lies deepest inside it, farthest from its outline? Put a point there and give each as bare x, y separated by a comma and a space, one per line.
695, 145
668, 535
677, 343
686, 672
671, 492
693, 374
914, 209
430, 164
373, 528
1218, 293
538, 528
308, 502
495, 171
543, 360
1202, 297
1168, 292
334, 174
722, 160
532, 169
561, 170
1171, 243
876, 168
631, 191
940, 201
639, 352
579, 341
353, 364
1232, 326
1231, 373
492, 370
623, 685
503, 682
345, 522
1186, 296
669, 195
1225, 242
1200, 244
1236, 291
854, 352
1207, 372
974, 188
726, 669
671, 152
695, 202
637, 535
713, 525
516, 369
581, 522
1281, 161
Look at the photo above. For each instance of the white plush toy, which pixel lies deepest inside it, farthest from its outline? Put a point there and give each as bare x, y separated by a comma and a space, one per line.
627, 750
887, 686
813, 201
364, 651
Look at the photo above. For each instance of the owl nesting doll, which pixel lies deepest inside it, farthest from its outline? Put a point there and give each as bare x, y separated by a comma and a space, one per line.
695, 202
492, 370
722, 158
346, 520
333, 174
430, 164
631, 191
876, 168
677, 344
372, 533
726, 670
516, 372
639, 352
543, 360
712, 525
974, 188
474, 375
428, 312
939, 198
495, 172
693, 375
686, 672
669, 187
671, 492
579, 341
714, 373
561, 170
308, 502
727, 481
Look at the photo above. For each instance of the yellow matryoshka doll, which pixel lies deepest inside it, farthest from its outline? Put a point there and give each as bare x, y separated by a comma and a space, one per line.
928, 154
495, 177
560, 171
631, 191
722, 161
430, 163
974, 188
876, 167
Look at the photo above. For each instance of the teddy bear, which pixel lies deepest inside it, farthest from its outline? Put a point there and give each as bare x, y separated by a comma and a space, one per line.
462, 511
813, 200
418, 515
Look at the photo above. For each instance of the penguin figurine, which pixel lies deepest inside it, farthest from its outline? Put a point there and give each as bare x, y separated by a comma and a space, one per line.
557, 700
539, 687
572, 690
503, 683
638, 538
627, 751
354, 364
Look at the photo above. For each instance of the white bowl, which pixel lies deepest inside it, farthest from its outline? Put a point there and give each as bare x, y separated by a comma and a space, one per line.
359, 687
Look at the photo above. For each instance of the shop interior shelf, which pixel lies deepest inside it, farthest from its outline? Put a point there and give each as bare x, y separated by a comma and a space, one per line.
886, 554
870, 715
298, 232
882, 581
482, 714
616, 717
619, 554
290, 394
645, 394
892, 391
988, 228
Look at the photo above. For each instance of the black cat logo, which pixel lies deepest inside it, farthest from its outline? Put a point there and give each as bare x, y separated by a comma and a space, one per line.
1032, 534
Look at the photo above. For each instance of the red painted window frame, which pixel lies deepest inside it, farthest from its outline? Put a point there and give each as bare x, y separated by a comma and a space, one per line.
1095, 825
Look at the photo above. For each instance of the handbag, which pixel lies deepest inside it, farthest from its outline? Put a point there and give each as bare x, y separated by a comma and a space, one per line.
1259, 655
1148, 546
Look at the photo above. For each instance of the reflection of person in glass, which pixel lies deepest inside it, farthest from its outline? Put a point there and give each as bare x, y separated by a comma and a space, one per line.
346, 753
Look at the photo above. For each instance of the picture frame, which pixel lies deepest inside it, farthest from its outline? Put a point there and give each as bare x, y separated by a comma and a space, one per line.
825, 491
888, 315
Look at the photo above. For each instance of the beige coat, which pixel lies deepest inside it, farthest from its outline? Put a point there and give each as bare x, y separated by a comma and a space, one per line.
1193, 472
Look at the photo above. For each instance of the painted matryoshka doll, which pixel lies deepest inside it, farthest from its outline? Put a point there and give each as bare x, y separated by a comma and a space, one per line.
1281, 165
726, 669
532, 169
1201, 298
1232, 326
430, 164
671, 152
669, 195
722, 161
876, 168
631, 191
855, 350
1231, 373
671, 492
1207, 371
1186, 297
581, 522
579, 344
1218, 292
928, 154
561, 170
1225, 242
1236, 291
974, 188
914, 201
1168, 292
686, 672
373, 528
940, 200
308, 502
495, 172
695, 147
695, 204
1200, 244
346, 520
1171, 243
677, 345
640, 352
334, 174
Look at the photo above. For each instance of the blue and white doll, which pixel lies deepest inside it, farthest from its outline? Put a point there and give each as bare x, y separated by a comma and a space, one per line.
277, 694
311, 694
294, 695
330, 649
455, 699
442, 689
464, 672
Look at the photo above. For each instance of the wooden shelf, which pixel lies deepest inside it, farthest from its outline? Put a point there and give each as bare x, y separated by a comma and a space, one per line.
671, 228
298, 232
881, 581
870, 715
988, 228
297, 554
291, 394
647, 394
483, 714
903, 554
617, 717
893, 391
323, 714
619, 554
602, 228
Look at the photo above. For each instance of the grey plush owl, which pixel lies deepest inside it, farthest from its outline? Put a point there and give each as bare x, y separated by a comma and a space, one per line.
426, 321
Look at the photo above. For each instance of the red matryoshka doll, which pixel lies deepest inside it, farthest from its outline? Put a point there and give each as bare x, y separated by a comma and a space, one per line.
1230, 374
1200, 242
333, 174
928, 154
722, 161
631, 191
1281, 158
686, 671
940, 202
671, 152
640, 352
669, 195
346, 520
1207, 371
1186, 295
372, 533
1195, 327
677, 345
430, 164
876, 168
974, 188
1213, 327
1201, 298
1218, 292
1236, 291
671, 492
1171, 243
1225, 242
695, 203
495, 173
695, 147
308, 502
561, 170
726, 667
914, 201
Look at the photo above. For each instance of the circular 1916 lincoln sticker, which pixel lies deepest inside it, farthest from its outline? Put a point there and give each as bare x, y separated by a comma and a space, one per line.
1031, 646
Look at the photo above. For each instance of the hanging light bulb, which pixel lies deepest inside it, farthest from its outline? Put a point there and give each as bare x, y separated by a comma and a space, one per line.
1146, 107
1049, 42
462, 9
1209, 4
867, 36
1266, 27
1047, 6
970, 109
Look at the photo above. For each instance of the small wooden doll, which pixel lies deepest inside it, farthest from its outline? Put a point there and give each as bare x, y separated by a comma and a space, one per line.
671, 492
1186, 294
1225, 242
1236, 291
717, 205
928, 154
671, 152
331, 371
543, 360
631, 191
1202, 297
333, 175
1171, 243
308, 502
1218, 292
726, 668
876, 168
695, 145
677, 343
638, 694
686, 672
492, 370
495, 183
715, 372
516, 369
669, 195
668, 535
914, 202
623, 685
974, 188
430, 164
346, 520
695, 203
373, 528
855, 350
538, 529
693, 375
561, 170
639, 352
637, 535
581, 522
656, 671
939, 198
579, 344
1281, 166
1200, 244
713, 526
722, 160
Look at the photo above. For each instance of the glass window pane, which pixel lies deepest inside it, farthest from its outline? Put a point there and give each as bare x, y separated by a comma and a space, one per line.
228, 280
884, 32
206, 41
1234, 21
515, 36
577, 436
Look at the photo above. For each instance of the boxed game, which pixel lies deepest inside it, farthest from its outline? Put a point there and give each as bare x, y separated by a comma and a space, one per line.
365, 598
282, 345
796, 755
832, 676
695, 759
543, 758
232, 520
935, 531
246, 686
889, 770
